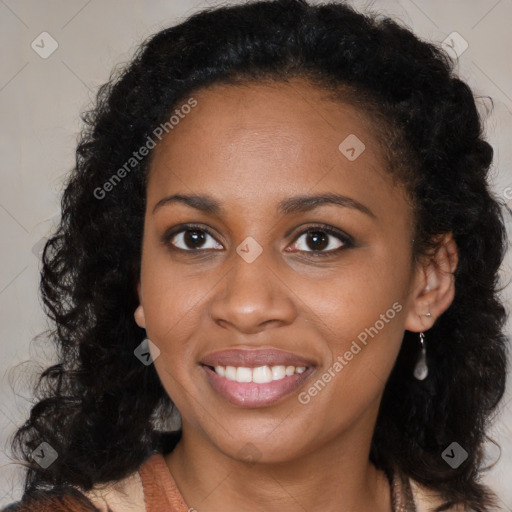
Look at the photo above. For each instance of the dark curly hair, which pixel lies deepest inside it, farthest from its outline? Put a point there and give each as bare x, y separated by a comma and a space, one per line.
105, 401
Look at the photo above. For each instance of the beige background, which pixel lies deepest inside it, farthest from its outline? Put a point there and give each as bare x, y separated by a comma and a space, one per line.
40, 102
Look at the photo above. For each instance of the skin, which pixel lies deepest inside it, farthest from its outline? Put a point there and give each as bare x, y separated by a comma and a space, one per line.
250, 147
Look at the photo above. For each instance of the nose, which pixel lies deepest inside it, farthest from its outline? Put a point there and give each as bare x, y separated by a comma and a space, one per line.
253, 297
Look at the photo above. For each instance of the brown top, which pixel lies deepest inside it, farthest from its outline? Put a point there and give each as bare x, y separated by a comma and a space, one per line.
161, 494
160, 489
153, 489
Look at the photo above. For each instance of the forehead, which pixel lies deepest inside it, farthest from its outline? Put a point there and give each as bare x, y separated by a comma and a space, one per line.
290, 122
251, 148
271, 139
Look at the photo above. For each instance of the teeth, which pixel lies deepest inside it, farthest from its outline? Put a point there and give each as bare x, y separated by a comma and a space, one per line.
243, 375
290, 370
260, 375
278, 372
230, 373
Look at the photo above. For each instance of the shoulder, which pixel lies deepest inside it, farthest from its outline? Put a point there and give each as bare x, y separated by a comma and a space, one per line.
126, 495
56, 500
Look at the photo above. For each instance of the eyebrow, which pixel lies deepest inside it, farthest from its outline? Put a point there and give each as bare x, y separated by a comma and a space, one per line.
287, 206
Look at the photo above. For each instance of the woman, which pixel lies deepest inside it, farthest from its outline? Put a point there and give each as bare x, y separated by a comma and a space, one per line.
279, 228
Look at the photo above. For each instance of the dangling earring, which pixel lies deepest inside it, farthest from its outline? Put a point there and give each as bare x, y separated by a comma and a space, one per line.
421, 368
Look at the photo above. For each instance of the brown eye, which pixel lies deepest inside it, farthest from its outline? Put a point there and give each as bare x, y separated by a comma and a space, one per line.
317, 240
321, 241
191, 239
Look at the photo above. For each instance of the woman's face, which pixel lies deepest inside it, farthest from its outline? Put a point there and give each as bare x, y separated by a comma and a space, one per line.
327, 283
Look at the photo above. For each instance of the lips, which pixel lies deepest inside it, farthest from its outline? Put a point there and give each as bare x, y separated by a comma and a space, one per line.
221, 367
253, 358
254, 395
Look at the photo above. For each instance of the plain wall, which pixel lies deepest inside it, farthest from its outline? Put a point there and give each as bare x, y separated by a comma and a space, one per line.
40, 103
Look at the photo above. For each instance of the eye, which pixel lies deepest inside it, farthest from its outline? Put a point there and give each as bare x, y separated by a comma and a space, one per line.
191, 238
322, 241
319, 240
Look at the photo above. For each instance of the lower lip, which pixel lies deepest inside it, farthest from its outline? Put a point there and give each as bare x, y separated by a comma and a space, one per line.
252, 394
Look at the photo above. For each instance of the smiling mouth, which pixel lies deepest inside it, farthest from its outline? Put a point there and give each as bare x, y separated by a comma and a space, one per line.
259, 375
262, 390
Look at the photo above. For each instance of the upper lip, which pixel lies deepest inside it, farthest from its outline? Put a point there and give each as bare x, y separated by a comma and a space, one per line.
252, 358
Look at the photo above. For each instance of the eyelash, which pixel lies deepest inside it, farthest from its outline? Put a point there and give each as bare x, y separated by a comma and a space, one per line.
347, 240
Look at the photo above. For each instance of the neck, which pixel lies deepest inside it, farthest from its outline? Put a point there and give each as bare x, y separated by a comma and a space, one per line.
334, 476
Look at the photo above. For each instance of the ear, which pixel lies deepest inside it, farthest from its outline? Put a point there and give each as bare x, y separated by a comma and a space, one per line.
433, 286
139, 316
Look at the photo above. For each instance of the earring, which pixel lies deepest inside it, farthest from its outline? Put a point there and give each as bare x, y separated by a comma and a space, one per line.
421, 368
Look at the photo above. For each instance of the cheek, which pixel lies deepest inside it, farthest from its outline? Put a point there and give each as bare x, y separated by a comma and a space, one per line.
355, 295
171, 320
172, 302
171, 297
360, 313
